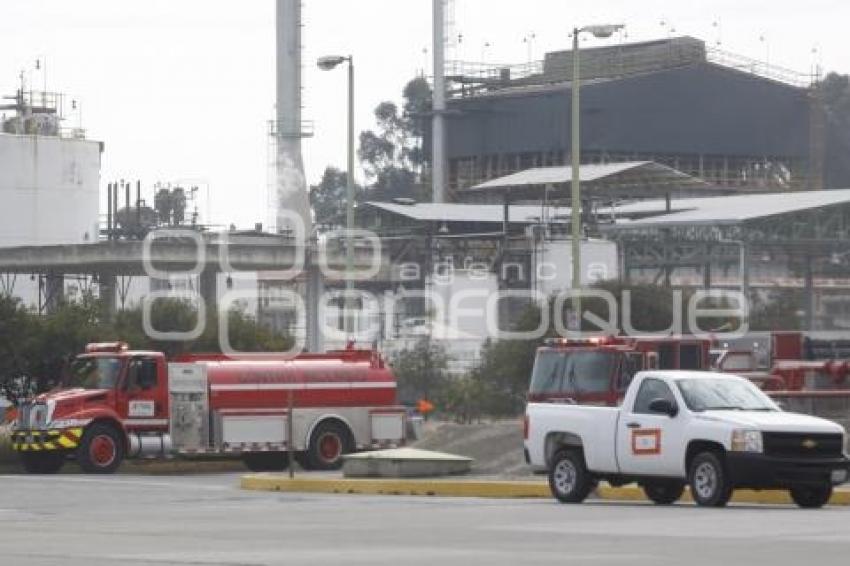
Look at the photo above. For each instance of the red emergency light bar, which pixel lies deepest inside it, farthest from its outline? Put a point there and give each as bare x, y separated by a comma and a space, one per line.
591, 341
106, 347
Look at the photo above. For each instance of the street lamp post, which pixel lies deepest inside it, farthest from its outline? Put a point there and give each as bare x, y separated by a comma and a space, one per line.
600, 31
326, 64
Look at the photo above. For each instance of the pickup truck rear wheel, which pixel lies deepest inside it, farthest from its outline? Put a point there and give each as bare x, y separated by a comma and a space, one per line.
569, 479
710, 483
811, 497
664, 493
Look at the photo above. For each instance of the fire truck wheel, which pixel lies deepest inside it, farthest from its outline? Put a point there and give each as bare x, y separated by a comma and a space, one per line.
101, 450
811, 497
265, 461
48, 463
664, 493
329, 441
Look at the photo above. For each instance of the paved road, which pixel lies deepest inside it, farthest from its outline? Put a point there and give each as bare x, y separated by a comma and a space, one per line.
73, 520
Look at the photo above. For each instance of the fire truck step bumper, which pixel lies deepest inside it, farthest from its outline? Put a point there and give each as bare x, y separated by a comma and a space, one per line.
46, 440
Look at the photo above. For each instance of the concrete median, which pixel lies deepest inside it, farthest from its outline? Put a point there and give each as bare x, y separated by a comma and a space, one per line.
486, 488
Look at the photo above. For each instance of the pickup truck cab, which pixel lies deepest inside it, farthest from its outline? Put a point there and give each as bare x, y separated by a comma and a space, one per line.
712, 431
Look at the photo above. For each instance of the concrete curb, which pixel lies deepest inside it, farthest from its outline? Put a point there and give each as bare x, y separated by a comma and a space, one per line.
440, 488
481, 488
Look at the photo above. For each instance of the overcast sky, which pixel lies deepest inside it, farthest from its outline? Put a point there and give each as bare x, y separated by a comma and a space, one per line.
182, 89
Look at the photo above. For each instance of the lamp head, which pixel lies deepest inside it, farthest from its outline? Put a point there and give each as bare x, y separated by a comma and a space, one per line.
603, 31
329, 62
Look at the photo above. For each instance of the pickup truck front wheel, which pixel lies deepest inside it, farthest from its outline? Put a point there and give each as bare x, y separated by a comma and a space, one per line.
811, 497
710, 484
569, 479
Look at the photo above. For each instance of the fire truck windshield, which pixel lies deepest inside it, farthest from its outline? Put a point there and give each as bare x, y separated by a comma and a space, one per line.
572, 372
94, 372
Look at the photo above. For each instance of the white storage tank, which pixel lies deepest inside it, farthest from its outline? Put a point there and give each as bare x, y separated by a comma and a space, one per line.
49, 175
48, 190
49, 180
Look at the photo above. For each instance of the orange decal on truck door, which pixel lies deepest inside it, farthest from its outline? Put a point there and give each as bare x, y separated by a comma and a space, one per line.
646, 441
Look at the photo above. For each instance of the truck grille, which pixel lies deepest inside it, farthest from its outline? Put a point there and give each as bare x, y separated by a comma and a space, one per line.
801, 445
32, 416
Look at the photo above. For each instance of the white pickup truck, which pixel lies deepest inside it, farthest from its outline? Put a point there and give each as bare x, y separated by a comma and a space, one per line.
712, 431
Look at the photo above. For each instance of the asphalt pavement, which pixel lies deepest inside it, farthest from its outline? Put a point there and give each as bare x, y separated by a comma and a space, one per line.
136, 520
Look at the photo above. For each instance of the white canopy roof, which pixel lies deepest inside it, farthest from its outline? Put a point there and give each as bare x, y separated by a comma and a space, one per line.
736, 209
619, 180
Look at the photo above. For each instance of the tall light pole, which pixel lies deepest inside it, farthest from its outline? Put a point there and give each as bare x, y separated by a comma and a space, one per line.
603, 31
326, 64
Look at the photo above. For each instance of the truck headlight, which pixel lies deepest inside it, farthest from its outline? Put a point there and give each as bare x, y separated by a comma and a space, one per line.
746, 441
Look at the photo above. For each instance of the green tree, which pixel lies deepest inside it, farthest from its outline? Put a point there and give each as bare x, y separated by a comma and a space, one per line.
329, 197
245, 334
465, 399
420, 371
60, 336
834, 90
17, 332
505, 368
393, 155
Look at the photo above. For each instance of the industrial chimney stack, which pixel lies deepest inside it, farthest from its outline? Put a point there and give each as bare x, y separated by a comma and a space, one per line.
289, 186
438, 156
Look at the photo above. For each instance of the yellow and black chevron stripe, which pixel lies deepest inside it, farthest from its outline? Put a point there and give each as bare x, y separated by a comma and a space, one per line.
42, 440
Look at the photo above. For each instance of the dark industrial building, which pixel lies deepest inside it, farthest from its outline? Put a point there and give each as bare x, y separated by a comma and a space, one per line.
733, 122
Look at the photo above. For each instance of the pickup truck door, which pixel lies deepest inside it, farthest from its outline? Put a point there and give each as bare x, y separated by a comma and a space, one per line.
648, 443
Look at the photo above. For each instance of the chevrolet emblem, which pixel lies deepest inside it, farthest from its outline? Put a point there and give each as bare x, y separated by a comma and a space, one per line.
809, 443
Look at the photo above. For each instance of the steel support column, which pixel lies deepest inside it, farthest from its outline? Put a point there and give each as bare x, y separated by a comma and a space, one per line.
208, 289
809, 294
51, 288
108, 291
315, 288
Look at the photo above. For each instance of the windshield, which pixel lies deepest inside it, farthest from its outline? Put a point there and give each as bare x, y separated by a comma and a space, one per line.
711, 394
94, 373
572, 372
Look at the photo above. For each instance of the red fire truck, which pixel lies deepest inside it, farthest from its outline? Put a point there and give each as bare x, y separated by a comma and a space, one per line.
787, 361
116, 403
599, 370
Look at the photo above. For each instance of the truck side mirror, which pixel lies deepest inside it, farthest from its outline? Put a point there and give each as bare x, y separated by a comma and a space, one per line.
663, 407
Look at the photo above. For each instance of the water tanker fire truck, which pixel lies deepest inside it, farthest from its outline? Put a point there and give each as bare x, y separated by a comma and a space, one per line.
116, 403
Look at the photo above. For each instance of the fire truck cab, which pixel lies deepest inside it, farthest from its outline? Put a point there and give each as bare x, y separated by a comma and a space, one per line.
115, 403
599, 370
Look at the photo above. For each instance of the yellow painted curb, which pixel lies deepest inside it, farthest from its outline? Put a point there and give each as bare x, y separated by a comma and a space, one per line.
482, 488
442, 488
